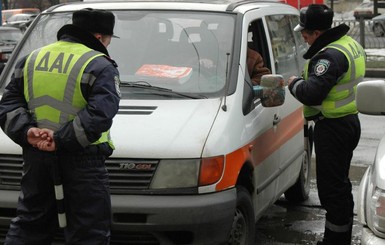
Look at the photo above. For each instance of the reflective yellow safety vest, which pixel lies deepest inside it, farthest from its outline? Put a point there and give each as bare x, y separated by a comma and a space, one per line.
52, 79
341, 99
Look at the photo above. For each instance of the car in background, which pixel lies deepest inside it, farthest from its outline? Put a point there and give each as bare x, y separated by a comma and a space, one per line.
20, 20
7, 13
9, 37
378, 25
366, 10
371, 193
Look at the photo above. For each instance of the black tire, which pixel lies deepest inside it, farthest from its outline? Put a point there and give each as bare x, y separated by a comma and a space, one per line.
299, 192
243, 227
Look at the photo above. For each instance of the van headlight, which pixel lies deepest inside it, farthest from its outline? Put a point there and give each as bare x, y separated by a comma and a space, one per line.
180, 173
377, 210
185, 173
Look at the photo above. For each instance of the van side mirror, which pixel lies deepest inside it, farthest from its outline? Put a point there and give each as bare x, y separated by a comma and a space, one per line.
370, 97
271, 91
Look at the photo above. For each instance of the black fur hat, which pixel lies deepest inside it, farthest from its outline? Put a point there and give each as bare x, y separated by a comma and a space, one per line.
315, 17
94, 21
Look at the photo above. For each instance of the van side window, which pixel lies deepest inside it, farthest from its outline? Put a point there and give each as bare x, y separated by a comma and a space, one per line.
258, 62
283, 45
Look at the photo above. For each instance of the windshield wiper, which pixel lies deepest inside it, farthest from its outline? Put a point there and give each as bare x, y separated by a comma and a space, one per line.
145, 85
142, 84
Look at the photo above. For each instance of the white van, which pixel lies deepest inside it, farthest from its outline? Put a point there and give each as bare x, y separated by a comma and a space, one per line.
198, 156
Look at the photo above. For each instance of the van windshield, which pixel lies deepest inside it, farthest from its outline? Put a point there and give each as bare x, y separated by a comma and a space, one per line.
185, 52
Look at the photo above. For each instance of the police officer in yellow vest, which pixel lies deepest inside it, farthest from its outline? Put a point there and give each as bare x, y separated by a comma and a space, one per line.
59, 107
336, 64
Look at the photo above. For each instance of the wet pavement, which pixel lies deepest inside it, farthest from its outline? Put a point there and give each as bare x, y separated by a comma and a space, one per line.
284, 223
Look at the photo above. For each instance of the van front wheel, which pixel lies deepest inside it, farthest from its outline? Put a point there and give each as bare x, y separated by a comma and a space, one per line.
243, 227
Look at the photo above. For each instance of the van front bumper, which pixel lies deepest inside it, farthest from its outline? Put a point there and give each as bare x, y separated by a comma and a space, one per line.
199, 219
173, 219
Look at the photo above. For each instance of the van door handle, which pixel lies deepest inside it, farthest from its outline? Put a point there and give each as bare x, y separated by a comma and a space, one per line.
276, 119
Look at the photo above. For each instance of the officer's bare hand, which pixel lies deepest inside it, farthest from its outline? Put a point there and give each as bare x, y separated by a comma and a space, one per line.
41, 138
48, 144
36, 135
291, 79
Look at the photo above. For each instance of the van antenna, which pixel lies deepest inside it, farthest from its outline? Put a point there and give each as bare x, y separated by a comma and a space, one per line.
224, 107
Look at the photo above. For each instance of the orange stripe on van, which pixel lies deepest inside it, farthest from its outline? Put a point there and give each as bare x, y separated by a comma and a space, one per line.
261, 147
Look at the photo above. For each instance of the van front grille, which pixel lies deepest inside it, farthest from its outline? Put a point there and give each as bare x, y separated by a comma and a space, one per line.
11, 167
130, 174
125, 174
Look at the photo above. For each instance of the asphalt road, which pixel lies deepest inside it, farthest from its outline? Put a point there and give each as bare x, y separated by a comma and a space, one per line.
284, 224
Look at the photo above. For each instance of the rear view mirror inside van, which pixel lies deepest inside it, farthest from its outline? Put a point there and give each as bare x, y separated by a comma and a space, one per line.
271, 91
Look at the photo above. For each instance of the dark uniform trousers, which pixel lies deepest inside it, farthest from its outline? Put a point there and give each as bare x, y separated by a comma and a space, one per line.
335, 140
86, 197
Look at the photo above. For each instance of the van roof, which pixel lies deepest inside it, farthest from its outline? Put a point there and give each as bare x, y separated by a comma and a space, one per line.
209, 5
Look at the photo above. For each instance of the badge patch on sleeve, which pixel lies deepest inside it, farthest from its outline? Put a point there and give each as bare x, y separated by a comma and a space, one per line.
321, 67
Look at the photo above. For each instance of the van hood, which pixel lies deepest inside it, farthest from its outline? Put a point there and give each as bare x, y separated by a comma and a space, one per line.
163, 129
155, 129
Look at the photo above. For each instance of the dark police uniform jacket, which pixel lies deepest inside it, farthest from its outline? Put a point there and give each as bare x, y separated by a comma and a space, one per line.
317, 86
102, 97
